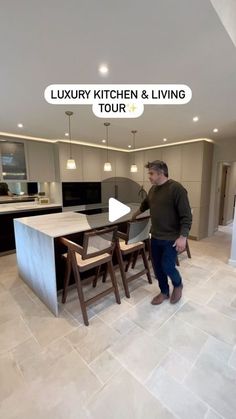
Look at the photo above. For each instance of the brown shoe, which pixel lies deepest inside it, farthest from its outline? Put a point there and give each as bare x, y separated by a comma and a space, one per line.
176, 294
159, 299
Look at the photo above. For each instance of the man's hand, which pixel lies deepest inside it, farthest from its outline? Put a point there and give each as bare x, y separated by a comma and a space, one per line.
180, 244
136, 214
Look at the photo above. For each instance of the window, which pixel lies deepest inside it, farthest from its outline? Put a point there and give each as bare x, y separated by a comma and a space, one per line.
13, 160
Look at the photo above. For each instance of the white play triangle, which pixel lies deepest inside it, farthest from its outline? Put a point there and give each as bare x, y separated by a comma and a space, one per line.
117, 209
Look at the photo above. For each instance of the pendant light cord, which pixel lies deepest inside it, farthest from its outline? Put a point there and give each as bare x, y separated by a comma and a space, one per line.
70, 138
134, 132
107, 139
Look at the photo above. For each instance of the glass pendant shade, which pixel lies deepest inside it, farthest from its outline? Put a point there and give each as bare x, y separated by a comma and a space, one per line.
107, 167
133, 168
70, 164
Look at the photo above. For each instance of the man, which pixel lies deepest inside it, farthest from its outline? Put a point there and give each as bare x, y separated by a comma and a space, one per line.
171, 221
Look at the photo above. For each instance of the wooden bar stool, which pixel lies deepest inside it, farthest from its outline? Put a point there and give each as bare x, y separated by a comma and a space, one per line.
185, 250
97, 249
130, 243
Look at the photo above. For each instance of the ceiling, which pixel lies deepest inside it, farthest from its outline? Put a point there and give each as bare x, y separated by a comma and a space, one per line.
157, 41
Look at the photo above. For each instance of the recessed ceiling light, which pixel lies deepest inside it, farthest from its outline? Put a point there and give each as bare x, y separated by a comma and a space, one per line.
103, 69
195, 119
66, 134
20, 125
215, 130
129, 146
164, 139
103, 141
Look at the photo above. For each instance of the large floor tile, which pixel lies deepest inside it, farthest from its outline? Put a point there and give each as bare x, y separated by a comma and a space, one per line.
150, 317
114, 312
218, 349
198, 293
11, 378
212, 415
138, 352
183, 338
12, 333
25, 350
47, 328
9, 309
124, 397
210, 321
222, 305
138, 295
176, 365
214, 382
39, 363
232, 360
90, 341
195, 274
175, 396
105, 366
68, 385
123, 325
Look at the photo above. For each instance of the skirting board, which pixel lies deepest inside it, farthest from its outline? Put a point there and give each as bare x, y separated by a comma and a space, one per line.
232, 262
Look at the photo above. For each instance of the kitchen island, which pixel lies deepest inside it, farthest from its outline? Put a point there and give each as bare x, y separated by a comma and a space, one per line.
10, 211
36, 240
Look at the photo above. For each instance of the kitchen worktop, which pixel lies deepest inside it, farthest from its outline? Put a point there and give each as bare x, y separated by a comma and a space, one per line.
64, 223
25, 206
13, 199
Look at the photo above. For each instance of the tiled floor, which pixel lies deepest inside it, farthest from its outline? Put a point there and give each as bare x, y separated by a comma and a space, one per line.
134, 360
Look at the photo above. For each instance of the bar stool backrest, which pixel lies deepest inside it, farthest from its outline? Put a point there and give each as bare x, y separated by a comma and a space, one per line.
98, 242
138, 230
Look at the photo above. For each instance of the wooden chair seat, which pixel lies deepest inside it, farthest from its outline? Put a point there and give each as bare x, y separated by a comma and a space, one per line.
127, 248
97, 250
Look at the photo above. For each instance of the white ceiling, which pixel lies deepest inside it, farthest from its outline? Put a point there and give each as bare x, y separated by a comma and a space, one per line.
157, 41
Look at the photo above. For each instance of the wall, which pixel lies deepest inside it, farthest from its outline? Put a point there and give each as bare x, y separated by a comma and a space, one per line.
229, 204
223, 152
189, 164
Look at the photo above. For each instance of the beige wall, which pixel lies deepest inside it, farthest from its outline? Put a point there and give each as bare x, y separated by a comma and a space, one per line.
231, 191
223, 152
189, 164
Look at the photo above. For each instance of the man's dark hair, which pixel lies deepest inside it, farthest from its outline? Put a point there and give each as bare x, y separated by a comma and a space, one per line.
159, 166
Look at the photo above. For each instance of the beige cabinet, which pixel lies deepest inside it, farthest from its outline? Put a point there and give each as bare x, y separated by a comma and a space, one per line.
40, 158
92, 164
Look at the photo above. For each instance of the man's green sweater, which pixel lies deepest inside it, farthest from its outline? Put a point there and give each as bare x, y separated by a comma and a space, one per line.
169, 209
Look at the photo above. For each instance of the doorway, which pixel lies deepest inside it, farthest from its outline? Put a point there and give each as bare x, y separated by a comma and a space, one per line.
223, 193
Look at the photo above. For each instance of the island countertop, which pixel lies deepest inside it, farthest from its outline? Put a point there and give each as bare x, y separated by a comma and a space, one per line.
64, 223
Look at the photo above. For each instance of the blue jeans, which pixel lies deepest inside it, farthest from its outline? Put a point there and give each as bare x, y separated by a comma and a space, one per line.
164, 259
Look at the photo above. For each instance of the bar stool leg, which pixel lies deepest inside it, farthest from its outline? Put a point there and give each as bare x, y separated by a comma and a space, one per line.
96, 276
80, 295
104, 277
135, 259
122, 271
66, 279
113, 280
145, 262
129, 262
188, 250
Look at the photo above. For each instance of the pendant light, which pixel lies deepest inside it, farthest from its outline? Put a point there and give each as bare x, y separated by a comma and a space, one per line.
133, 167
107, 164
70, 164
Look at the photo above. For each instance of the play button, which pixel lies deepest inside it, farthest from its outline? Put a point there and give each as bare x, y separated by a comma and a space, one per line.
117, 209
